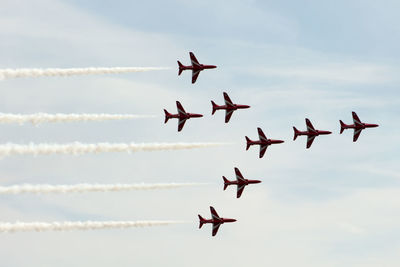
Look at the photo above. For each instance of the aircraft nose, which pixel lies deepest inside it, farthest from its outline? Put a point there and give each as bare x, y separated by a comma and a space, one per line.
328, 132
246, 106
213, 66
375, 125
258, 181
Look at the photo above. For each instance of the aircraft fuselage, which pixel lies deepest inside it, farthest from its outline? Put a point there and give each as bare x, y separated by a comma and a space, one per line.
265, 143
360, 126
233, 107
198, 67
182, 116
313, 133
218, 221
245, 182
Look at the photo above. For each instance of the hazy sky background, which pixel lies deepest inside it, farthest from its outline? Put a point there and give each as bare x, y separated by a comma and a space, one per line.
336, 204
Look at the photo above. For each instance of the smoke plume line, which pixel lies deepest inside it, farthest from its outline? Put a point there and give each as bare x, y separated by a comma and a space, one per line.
80, 148
69, 226
38, 118
80, 188
37, 72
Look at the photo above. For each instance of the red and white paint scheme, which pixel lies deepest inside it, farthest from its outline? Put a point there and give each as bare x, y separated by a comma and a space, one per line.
215, 220
358, 126
264, 142
229, 107
240, 182
196, 67
182, 116
311, 133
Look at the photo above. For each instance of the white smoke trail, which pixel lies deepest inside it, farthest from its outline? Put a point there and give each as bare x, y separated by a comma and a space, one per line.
58, 117
79, 188
19, 73
68, 226
79, 148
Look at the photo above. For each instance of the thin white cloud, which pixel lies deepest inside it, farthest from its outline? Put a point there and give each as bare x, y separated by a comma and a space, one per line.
351, 228
353, 73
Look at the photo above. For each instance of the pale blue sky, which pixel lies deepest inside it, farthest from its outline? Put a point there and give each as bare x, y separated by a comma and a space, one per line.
333, 205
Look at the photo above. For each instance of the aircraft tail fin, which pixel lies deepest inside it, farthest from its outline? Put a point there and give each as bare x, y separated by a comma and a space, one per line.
180, 67
296, 133
226, 182
201, 222
167, 115
342, 126
248, 143
214, 107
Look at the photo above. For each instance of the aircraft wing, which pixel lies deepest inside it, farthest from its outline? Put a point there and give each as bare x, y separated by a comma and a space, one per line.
239, 176
181, 123
195, 74
310, 127
228, 115
357, 133
310, 140
214, 214
194, 60
240, 189
228, 101
261, 135
215, 228
356, 119
180, 108
263, 148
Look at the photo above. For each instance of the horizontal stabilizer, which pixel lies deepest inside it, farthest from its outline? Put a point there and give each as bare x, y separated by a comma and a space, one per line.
214, 107
167, 116
342, 126
226, 182
296, 133
181, 67
201, 221
248, 143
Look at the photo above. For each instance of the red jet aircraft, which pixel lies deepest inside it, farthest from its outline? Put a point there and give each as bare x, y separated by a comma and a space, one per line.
215, 220
229, 107
196, 67
240, 182
311, 133
264, 142
182, 116
358, 126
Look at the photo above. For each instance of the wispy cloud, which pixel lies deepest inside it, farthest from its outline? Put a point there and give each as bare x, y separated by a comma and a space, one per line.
351, 228
353, 73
